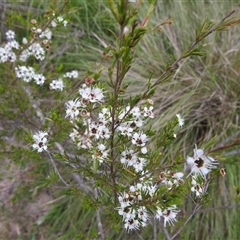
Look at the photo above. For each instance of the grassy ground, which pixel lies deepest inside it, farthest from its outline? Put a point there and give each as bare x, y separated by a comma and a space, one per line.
205, 90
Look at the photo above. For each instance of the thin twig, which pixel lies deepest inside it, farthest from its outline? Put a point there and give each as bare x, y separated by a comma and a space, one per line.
56, 170
80, 181
77, 177
99, 223
154, 229
219, 208
186, 222
35, 104
197, 207
228, 139
139, 235
235, 143
225, 141
166, 233
230, 153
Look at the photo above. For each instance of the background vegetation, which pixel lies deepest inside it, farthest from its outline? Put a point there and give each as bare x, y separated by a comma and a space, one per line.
204, 89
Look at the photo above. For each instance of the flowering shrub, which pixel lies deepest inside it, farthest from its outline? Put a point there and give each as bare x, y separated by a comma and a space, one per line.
115, 148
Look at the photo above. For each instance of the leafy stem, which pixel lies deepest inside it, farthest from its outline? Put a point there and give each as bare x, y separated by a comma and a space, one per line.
223, 24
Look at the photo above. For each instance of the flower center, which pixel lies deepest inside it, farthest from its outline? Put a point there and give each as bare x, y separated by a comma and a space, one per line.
130, 221
128, 156
139, 141
199, 162
167, 213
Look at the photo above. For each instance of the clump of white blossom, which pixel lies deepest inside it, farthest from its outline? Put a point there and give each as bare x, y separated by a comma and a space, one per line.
40, 141
134, 156
129, 125
7, 50
28, 74
36, 50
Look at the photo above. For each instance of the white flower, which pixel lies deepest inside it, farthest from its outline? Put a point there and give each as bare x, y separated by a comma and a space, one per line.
39, 79
126, 29
47, 33
37, 51
39, 30
98, 130
72, 74
132, 188
65, 22
168, 215
82, 141
177, 178
135, 112
125, 129
104, 131
53, 23
138, 122
144, 150
128, 157
6, 52
3, 55
24, 55
101, 153
139, 164
180, 120
132, 224
10, 35
196, 187
24, 41
142, 214
124, 200
139, 139
148, 112
151, 189
40, 141
171, 179
104, 116
60, 19
75, 135
200, 163
57, 84
91, 94
94, 130
72, 108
